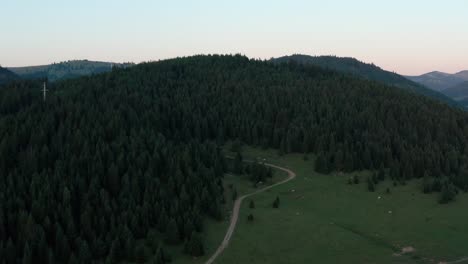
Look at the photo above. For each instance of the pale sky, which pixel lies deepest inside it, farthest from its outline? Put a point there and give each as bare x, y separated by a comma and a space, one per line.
405, 36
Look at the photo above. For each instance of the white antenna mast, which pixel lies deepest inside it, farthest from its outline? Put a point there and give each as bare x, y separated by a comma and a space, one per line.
44, 90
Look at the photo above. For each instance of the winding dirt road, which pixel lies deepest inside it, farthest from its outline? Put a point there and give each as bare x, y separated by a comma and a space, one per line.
235, 211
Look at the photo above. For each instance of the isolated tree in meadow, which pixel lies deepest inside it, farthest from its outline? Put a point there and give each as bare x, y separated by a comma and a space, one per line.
234, 194
356, 179
448, 193
251, 204
381, 173
426, 183
437, 184
269, 173
238, 168
276, 203
250, 217
370, 185
375, 178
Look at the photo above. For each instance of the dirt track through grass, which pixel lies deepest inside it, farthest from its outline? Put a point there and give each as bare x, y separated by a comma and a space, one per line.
235, 211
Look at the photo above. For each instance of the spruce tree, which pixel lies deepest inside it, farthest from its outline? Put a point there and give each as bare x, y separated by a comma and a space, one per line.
250, 217
238, 167
276, 203
370, 185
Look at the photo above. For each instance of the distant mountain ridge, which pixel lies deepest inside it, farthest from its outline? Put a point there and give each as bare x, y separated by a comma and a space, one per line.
463, 75
365, 70
66, 69
440, 81
7, 76
454, 85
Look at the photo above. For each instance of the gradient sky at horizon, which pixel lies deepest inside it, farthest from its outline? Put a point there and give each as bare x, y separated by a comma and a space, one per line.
408, 37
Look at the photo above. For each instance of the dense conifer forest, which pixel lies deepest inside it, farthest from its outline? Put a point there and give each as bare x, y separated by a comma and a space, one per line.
113, 166
7, 76
367, 71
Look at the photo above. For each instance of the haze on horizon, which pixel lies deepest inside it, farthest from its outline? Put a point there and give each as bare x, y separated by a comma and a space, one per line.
408, 37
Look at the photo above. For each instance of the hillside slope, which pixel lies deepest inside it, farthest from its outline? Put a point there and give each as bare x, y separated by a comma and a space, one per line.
66, 70
368, 71
113, 167
7, 76
457, 92
439, 81
463, 75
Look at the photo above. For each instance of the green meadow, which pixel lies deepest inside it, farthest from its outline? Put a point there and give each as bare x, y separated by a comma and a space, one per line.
323, 219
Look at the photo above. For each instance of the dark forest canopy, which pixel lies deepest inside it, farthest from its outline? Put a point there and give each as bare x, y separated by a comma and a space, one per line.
7, 76
368, 71
133, 154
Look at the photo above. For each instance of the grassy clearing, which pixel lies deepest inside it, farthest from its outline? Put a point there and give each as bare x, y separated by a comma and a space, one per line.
215, 230
322, 219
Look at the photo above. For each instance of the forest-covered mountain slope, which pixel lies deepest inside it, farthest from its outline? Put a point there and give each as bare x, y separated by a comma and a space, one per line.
440, 81
367, 71
458, 92
132, 155
7, 76
66, 69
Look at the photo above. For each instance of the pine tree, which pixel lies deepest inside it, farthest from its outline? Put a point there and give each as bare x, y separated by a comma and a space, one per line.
448, 193
276, 203
381, 175
234, 194
250, 217
356, 179
238, 168
427, 183
370, 185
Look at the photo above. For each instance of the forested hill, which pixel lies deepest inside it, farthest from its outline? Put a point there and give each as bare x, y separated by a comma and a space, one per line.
132, 155
459, 91
7, 76
364, 70
440, 81
66, 69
